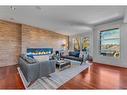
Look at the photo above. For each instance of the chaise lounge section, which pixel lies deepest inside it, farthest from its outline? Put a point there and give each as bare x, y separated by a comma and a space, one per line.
34, 70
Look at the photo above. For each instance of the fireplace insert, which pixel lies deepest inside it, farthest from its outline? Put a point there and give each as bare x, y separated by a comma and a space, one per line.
39, 51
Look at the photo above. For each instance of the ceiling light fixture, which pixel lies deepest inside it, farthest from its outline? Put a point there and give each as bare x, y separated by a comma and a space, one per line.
12, 8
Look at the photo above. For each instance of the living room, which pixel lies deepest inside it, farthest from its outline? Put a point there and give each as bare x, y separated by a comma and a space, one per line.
68, 43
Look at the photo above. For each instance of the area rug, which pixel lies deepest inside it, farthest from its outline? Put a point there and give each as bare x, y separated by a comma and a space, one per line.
57, 79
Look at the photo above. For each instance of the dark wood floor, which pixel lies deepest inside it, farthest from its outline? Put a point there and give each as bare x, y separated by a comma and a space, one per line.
98, 76
9, 78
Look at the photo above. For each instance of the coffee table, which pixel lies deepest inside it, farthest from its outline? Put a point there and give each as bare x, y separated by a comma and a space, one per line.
63, 64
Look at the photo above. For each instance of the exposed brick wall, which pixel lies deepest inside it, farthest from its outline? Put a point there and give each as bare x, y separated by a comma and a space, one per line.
10, 43
39, 38
16, 38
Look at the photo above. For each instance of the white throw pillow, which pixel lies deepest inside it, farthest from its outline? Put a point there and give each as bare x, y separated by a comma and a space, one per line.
42, 58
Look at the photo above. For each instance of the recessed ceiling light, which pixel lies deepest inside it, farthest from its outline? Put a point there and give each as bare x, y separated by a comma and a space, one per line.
12, 8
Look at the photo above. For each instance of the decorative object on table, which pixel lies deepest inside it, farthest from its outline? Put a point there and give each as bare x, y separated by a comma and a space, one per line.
55, 56
63, 64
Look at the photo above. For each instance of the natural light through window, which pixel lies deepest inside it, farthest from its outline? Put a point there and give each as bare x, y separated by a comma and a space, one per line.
110, 42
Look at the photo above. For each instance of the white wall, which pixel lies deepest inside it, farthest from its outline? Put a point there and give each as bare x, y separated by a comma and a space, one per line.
94, 43
81, 36
122, 61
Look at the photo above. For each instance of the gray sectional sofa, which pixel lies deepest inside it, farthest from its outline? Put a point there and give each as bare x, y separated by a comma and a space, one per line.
73, 55
34, 70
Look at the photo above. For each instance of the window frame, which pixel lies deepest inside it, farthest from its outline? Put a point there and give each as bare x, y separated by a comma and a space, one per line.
100, 41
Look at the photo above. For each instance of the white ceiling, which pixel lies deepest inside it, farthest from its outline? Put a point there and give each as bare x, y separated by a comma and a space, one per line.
66, 20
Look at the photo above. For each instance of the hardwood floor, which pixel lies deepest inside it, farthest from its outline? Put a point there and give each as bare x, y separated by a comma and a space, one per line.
98, 76
9, 78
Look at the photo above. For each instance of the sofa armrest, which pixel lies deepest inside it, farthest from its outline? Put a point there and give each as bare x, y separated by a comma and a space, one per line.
30, 71
46, 68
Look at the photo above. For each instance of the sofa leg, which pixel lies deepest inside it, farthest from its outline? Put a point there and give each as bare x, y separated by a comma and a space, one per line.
81, 63
48, 76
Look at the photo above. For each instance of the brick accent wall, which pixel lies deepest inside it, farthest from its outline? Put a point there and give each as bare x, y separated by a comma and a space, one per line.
10, 43
33, 37
16, 38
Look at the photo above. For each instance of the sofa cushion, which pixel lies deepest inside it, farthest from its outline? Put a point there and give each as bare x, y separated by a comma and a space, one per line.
72, 58
77, 53
30, 56
74, 53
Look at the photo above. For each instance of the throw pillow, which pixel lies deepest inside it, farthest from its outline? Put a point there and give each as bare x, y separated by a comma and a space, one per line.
30, 60
23, 56
76, 53
30, 56
41, 58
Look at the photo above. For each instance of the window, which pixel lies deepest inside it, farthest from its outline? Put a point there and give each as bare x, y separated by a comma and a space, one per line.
77, 44
85, 43
110, 42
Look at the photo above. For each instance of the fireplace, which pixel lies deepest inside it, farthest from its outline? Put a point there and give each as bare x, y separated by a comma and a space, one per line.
39, 51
